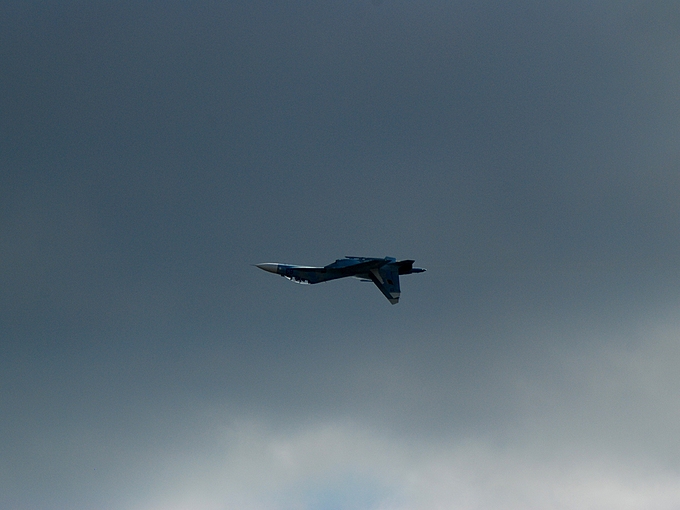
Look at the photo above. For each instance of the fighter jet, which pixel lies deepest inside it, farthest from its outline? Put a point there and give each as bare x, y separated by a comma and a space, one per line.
383, 272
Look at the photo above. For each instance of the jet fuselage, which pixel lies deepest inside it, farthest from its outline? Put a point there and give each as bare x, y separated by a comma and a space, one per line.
383, 272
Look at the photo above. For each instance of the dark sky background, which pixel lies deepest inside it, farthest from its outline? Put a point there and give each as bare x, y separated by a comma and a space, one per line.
526, 153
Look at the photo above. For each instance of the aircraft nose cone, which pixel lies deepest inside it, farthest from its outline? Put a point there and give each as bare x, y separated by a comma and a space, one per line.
268, 266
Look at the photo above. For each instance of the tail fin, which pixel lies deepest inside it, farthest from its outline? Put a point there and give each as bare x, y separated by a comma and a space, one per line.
386, 279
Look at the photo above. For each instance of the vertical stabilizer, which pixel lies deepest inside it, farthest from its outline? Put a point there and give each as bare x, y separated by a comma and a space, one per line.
386, 278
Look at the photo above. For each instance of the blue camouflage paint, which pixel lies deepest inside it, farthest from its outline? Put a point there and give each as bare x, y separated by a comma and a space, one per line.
383, 272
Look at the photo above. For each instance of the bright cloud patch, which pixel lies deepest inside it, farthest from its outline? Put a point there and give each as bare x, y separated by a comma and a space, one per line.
570, 455
341, 466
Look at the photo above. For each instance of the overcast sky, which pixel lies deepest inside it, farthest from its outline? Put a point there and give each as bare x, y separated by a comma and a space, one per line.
526, 153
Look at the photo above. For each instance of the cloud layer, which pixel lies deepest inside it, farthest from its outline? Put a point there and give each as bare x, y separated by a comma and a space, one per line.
525, 154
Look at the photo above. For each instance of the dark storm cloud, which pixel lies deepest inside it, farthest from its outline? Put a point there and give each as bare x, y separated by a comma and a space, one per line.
525, 154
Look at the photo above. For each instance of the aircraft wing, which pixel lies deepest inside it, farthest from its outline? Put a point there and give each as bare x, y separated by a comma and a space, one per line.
355, 265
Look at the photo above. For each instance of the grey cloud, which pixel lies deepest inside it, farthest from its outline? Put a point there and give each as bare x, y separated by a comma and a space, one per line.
526, 155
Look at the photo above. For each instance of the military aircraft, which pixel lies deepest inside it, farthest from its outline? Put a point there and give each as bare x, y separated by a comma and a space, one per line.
384, 272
